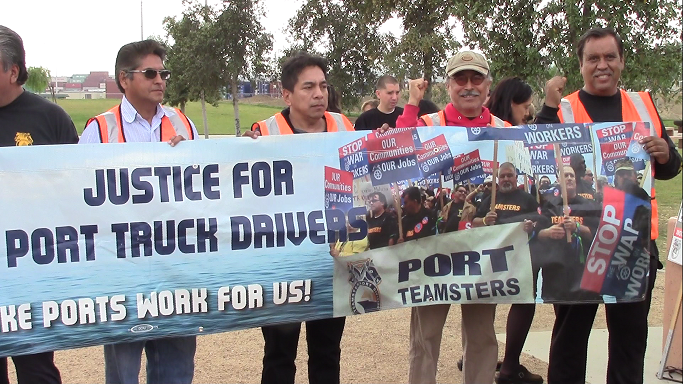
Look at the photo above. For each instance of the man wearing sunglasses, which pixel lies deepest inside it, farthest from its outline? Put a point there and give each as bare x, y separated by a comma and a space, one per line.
141, 77
468, 83
382, 225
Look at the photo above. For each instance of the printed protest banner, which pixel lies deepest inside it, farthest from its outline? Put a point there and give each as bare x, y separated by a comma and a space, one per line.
392, 156
635, 149
465, 166
434, 156
614, 141
117, 243
353, 157
494, 133
427, 271
431, 181
338, 189
538, 134
543, 159
618, 263
518, 155
676, 240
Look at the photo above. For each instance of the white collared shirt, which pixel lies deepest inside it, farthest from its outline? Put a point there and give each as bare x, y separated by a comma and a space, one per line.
135, 127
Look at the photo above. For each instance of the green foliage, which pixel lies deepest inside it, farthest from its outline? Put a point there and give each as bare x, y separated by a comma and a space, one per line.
220, 118
348, 39
193, 66
533, 40
38, 79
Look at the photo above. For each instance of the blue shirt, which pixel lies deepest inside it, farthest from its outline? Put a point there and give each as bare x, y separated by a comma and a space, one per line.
135, 127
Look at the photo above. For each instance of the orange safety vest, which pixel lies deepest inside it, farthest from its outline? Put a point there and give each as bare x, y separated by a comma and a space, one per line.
277, 125
635, 106
173, 123
439, 119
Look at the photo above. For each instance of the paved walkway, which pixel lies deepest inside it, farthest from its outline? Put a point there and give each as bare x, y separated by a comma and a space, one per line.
538, 345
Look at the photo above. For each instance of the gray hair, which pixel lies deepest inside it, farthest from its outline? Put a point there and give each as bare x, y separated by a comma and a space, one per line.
12, 53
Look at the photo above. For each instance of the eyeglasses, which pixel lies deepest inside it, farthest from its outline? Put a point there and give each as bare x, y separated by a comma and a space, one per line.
461, 191
487, 185
461, 79
151, 74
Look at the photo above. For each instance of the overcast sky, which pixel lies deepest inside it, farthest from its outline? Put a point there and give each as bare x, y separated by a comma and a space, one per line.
79, 36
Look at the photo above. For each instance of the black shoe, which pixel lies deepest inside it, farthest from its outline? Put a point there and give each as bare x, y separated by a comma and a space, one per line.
523, 376
459, 364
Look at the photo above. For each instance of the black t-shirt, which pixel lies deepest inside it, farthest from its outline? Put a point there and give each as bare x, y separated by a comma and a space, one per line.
563, 262
454, 215
511, 207
32, 120
374, 118
420, 225
584, 189
381, 229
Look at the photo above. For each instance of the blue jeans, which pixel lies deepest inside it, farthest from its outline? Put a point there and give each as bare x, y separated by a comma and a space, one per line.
169, 361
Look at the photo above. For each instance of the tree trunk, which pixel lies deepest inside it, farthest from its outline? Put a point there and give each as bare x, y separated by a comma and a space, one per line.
182, 107
206, 124
233, 85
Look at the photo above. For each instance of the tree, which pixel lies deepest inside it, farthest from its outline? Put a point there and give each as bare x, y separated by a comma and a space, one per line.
428, 37
238, 38
196, 71
348, 39
523, 38
38, 79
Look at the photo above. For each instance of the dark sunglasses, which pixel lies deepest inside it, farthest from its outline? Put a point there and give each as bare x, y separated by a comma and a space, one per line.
151, 74
462, 79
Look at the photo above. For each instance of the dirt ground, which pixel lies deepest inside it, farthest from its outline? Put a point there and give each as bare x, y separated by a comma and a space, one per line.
374, 347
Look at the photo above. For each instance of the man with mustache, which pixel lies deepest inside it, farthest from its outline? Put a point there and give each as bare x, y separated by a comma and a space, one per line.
468, 83
305, 90
578, 164
601, 59
388, 92
141, 77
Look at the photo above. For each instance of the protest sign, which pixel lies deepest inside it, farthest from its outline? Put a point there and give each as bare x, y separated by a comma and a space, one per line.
676, 240
422, 273
618, 263
464, 167
118, 243
338, 189
353, 157
543, 159
392, 156
434, 156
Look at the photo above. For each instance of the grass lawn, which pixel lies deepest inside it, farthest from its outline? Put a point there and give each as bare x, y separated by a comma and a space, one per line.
221, 119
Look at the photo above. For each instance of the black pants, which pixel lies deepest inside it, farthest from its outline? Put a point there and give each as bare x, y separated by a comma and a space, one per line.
32, 369
323, 338
627, 326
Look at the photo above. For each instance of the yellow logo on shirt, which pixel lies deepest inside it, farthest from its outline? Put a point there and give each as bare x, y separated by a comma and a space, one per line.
23, 139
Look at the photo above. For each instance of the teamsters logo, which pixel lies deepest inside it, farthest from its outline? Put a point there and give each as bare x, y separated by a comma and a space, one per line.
364, 279
476, 131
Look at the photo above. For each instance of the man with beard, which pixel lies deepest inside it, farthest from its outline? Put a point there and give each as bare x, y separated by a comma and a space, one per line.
600, 53
512, 205
583, 188
382, 224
